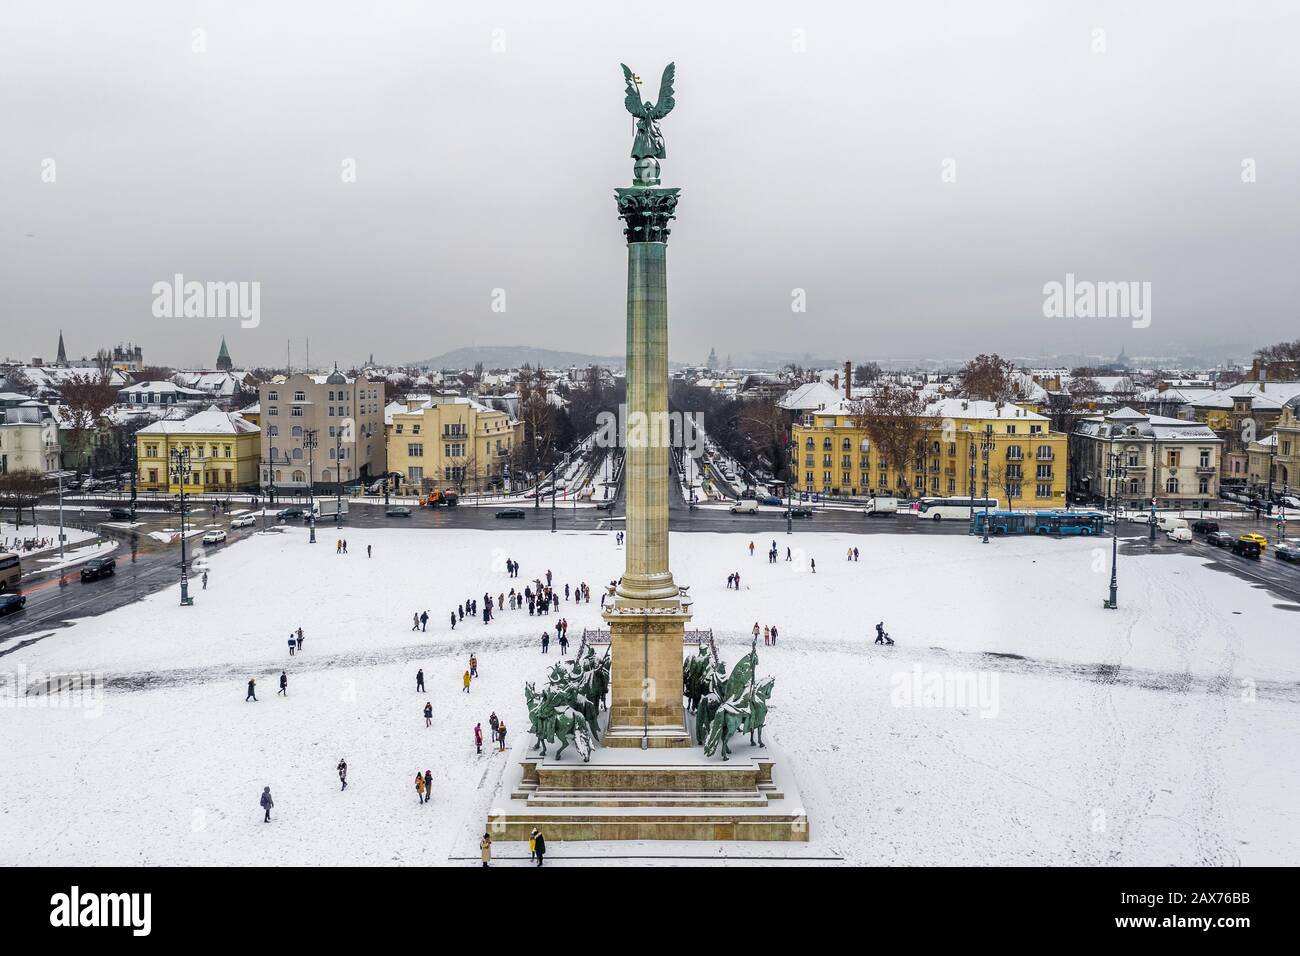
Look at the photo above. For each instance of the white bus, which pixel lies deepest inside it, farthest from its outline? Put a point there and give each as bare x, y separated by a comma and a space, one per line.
936, 509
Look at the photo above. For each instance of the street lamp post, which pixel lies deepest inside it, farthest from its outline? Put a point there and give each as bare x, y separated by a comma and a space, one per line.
987, 447
181, 470
310, 441
338, 479
1155, 462
1112, 602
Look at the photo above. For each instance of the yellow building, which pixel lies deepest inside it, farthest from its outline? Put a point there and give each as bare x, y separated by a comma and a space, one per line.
1026, 459
223, 450
450, 444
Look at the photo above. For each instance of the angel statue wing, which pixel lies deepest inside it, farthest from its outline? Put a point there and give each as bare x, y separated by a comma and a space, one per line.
666, 102
633, 101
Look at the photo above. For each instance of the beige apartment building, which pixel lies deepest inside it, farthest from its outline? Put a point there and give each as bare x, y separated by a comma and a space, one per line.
343, 417
1175, 461
450, 443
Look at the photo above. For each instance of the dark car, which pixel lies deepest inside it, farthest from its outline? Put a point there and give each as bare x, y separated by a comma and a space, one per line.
1287, 551
1220, 539
11, 603
121, 514
1245, 547
98, 568
770, 500
397, 513
511, 513
607, 505
1204, 526
799, 512
284, 514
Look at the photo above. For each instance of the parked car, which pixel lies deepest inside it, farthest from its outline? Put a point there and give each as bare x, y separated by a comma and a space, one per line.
1220, 539
214, 537
770, 500
11, 603
606, 505
121, 514
98, 568
1290, 501
1288, 550
799, 512
398, 512
1180, 534
243, 521
510, 513
746, 506
1170, 522
1246, 547
284, 514
749, 493
1205, 526
1259, 539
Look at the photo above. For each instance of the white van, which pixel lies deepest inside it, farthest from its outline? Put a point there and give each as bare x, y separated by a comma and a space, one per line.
1169, 522
881, 506
746, 506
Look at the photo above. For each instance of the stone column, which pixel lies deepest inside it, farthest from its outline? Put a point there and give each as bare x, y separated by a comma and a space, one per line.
647, 618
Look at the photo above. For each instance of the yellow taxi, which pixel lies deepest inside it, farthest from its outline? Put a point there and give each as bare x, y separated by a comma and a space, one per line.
1259, 539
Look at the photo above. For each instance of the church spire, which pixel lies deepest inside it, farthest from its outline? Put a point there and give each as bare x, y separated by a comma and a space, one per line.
63, 355
223, 357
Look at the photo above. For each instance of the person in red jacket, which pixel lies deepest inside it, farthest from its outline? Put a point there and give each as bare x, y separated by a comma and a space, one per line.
478, 738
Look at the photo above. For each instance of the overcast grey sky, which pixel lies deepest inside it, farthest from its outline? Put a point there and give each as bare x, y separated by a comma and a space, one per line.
481, 168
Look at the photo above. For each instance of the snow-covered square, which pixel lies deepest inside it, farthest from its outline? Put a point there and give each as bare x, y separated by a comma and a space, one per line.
1014, 720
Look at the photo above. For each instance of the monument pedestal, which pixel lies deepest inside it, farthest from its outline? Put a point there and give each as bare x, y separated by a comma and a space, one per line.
654, 794
645, 694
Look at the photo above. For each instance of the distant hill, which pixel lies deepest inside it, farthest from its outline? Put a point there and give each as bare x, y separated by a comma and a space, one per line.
513, 356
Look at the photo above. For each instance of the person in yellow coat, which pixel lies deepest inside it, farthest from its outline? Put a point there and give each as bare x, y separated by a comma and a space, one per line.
466, 679
485, 849
419, 786
532, 845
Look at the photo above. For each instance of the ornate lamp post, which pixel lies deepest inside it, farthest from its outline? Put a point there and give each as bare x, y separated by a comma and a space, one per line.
180, 468
1112, 474
309, 439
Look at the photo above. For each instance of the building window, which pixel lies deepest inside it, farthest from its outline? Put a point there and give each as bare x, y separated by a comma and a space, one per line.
1014, 453
296, 412
1205, 458
415, 449
415, 473
1204, 486
299, 396
1173, 456
1171, 486
272, 396
273, 410
1043, 490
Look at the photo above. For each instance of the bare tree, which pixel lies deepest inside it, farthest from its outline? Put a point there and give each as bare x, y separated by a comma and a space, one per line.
21, 489
893, 418
988, 378
86, 400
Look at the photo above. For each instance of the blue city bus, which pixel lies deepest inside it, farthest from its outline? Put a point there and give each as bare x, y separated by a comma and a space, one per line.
1070, 522
1000, 522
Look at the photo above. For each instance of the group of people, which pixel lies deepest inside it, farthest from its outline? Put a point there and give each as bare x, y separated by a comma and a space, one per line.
341, 546
295, 641
561, 636
536, 847
769, 634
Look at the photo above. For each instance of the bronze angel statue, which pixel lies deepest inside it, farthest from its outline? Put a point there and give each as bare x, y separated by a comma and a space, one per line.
648, 146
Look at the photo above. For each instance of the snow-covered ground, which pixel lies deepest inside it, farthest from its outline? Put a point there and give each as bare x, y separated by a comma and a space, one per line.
1157, 734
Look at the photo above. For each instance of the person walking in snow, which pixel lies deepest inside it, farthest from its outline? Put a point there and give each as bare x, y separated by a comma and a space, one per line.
415, 621
855, 554
267, 804
453, 620
737, 580
419, 786
532, 846
501, 735
751, 549
428, 714
546, 641
284, 685
345, 545
485, 849
473, 666
539, 846
299, 638
343, 774
492, 722
767, 636
252, 691
205, 580
367, 551
478, 738
419, 680
466, 682
428, 786
566, 592
788, 555
774, 635
564, 643
292, 645
880, 633
424, 621
755, 631
812, 562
